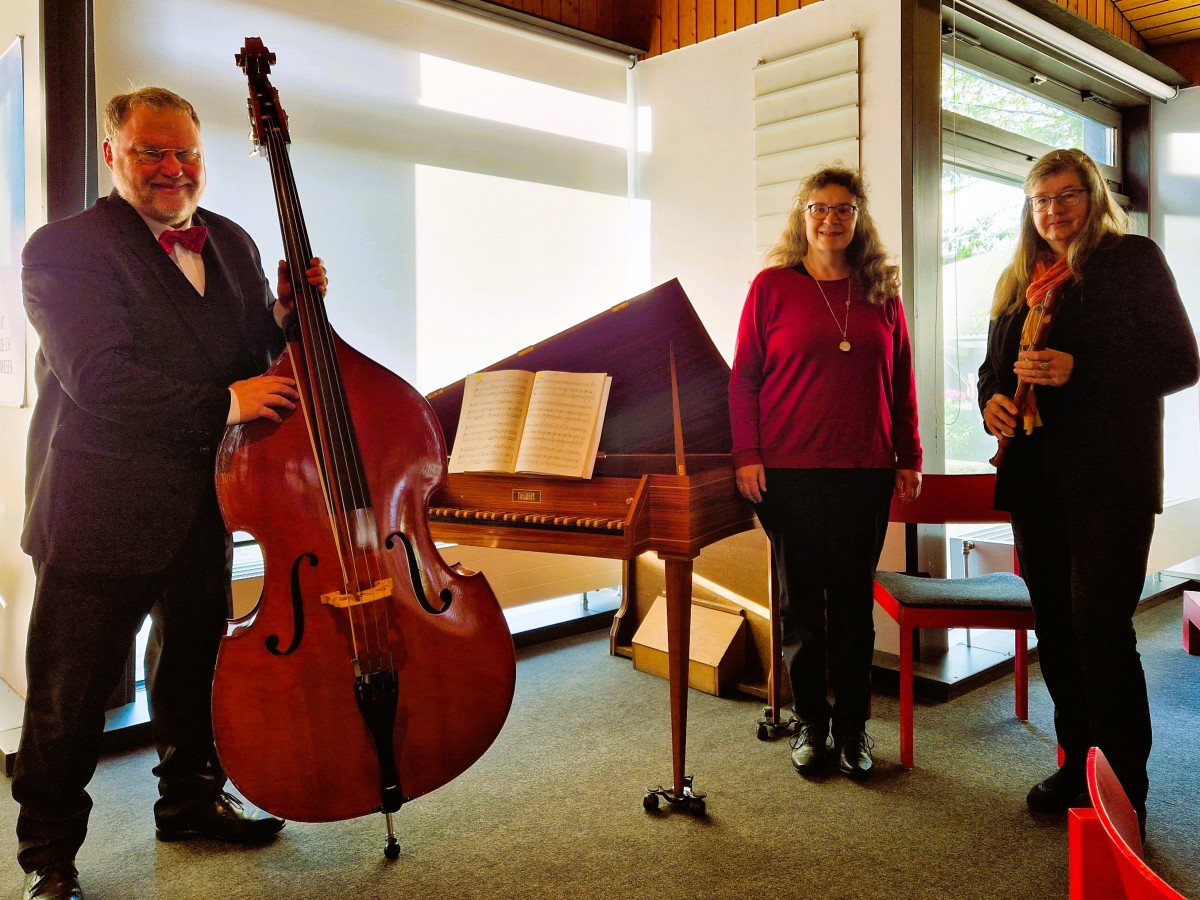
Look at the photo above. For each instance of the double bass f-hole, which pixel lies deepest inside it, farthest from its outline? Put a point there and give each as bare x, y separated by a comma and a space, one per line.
414, 572
272, 641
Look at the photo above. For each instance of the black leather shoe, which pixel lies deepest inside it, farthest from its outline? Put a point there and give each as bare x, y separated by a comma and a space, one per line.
809, 748
55, 882
1063, 790
225, 819
854, 755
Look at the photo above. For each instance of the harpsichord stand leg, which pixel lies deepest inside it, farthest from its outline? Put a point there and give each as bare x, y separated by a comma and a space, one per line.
679, 639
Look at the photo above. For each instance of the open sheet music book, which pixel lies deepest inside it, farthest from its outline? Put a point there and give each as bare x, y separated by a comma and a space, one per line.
543, 423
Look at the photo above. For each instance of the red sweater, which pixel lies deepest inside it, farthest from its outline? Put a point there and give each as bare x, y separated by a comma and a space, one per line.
798, 402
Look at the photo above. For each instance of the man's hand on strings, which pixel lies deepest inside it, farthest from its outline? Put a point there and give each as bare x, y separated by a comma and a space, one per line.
287, 302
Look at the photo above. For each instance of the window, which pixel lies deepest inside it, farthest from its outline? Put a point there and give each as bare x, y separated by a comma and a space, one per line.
984, 98
993, 129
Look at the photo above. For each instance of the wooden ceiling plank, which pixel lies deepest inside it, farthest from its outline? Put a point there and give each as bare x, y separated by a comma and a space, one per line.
1170, 18
726, 20
1161, 7
1185, 37
1176, 31
1136, 7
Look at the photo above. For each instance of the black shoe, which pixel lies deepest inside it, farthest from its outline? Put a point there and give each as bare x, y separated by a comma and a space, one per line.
1065, 789
809, 747
854, 755
225, 819
58, 881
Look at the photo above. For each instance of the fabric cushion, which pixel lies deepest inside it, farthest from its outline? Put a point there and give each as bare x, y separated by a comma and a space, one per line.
997, 590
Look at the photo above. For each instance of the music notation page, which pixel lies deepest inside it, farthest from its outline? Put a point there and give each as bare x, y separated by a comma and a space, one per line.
545, 423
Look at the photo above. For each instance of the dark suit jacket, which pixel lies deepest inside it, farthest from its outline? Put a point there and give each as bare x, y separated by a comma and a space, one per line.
132, 375
1101, 440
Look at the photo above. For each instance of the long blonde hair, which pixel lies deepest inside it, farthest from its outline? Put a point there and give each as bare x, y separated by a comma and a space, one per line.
875, 278
1104, 219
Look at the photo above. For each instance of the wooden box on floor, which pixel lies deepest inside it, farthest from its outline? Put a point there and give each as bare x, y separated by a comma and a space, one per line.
718, 647
733, 576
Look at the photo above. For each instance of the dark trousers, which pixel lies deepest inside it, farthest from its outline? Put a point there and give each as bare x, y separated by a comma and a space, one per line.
80, 635
1085, 565
826, 528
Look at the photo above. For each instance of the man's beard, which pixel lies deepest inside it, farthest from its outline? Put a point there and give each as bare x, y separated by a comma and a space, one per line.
170, 210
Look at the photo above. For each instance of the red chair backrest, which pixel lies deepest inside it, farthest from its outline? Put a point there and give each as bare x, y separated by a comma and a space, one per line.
1120, 822
964, 499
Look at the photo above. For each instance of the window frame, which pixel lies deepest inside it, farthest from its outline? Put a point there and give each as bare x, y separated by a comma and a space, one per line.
969, 143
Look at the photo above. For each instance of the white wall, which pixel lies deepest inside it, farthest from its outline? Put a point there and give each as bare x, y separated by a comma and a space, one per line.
20, 17
699, 175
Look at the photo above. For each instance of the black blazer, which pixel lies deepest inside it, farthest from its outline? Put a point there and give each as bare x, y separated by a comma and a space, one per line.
132, 375
1101, 440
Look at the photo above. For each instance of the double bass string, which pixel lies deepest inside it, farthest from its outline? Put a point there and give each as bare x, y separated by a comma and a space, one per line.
334, 442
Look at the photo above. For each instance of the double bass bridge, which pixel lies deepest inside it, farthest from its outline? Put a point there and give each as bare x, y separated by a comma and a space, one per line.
381, 590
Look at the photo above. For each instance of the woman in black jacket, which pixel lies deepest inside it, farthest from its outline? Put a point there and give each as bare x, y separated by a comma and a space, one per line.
1082, 474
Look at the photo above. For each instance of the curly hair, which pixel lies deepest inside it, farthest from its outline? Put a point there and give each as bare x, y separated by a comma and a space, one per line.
876, 278
157, 98
1105, 219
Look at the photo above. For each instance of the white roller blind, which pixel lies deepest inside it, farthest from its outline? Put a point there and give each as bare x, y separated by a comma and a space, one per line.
806, 115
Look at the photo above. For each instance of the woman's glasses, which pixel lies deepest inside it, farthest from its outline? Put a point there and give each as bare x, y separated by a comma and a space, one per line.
821, 210
1067, 199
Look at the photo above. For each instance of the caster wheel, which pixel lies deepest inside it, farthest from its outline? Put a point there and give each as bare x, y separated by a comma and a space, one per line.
392, 849
763, 733
697, 807
650, 802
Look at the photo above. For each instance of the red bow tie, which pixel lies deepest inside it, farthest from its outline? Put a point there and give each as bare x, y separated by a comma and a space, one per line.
192, 238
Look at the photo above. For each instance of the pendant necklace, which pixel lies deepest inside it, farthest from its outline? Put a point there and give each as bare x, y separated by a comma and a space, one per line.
844, 346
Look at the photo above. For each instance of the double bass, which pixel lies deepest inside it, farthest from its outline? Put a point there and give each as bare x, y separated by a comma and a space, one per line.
370, 672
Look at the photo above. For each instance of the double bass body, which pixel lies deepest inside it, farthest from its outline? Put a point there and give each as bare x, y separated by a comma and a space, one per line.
290, 725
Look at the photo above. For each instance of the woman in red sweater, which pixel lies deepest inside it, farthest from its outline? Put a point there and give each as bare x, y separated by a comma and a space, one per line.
824, 412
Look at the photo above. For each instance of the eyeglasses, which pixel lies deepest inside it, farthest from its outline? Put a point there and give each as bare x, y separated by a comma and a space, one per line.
1068, 198
149, 157
821, 210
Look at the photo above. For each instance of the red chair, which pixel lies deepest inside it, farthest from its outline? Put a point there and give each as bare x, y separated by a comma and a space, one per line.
998, 600
1105, 861
1191, 622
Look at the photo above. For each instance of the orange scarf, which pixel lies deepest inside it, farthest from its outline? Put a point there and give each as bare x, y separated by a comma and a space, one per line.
1047, 277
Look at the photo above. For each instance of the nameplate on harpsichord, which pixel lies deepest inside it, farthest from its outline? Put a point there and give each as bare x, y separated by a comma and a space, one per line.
527, 496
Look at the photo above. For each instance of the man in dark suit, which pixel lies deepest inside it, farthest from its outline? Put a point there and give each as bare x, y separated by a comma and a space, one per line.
152, 342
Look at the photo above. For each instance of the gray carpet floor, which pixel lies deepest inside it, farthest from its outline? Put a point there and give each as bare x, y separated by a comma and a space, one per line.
554, 809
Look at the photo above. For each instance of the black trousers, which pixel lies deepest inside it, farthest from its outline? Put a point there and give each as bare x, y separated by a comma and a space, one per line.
827, 528
1085, 565
80, 635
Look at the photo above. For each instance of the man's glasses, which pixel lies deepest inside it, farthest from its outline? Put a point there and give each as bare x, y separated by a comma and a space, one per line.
1068, 198
821, 210
154, 157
